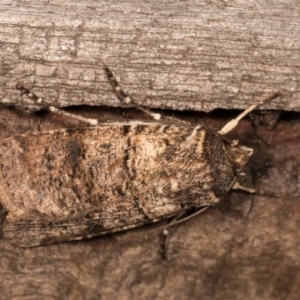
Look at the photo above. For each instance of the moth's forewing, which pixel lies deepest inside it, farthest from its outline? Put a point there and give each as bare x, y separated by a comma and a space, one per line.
72, 184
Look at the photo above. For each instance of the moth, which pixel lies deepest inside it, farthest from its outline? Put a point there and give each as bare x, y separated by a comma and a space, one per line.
73, 184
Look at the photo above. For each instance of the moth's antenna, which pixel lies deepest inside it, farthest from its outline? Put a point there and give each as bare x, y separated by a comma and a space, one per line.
39, 101
233, 123
124, 97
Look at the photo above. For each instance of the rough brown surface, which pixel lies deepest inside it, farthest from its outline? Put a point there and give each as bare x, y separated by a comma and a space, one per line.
197, 55
248, 248
178, 55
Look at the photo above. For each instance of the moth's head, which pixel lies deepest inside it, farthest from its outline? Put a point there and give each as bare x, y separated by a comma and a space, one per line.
239, 154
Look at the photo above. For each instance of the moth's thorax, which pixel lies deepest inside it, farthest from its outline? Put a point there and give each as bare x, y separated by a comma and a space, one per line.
227, 159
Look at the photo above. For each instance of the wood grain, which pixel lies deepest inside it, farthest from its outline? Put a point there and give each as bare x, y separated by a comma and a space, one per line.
183, 55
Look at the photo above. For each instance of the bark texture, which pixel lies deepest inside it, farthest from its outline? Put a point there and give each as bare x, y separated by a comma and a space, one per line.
172, 55
196, 55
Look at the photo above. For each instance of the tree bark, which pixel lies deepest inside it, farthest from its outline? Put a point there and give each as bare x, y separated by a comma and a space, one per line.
191, 55
178, 55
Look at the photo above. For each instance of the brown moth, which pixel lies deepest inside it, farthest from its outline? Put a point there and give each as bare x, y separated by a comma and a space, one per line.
72, 184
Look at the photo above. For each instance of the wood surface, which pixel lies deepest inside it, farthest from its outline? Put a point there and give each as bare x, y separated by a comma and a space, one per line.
181, 55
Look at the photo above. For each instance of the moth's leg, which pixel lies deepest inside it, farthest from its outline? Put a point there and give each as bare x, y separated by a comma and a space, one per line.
165, 233
173, 222
233, 123
180, 218
41, 102
239, 187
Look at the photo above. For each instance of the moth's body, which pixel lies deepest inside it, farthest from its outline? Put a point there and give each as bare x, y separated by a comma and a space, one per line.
77, 183
73, 184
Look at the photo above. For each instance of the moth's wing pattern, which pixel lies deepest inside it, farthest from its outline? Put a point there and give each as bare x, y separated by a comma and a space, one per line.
73, 184
35, 233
